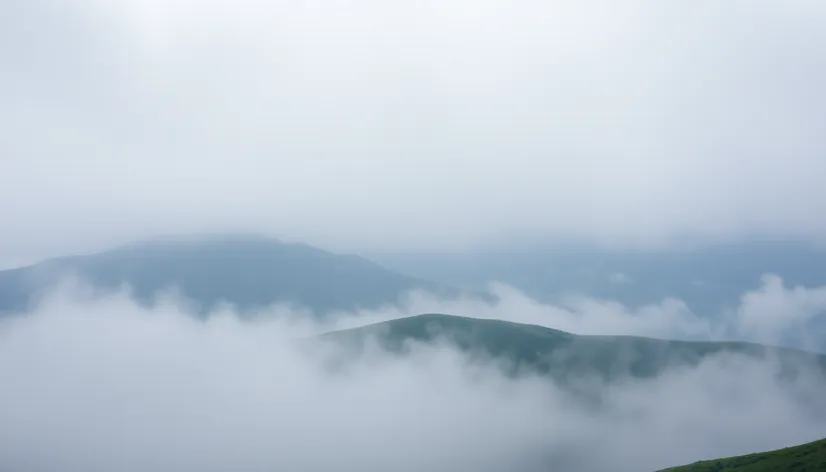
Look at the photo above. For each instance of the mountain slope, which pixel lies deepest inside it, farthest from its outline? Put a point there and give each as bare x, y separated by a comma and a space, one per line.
563, 354
569, 358
247, 271
810, 457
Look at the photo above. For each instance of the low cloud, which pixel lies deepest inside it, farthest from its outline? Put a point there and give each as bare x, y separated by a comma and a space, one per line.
772, 313
102, 384
776, 310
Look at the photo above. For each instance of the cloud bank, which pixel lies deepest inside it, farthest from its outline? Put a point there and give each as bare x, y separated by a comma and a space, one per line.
439, 124
773, 313
102, 384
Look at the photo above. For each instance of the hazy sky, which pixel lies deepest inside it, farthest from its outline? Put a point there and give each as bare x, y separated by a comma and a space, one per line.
369, 125
373, 124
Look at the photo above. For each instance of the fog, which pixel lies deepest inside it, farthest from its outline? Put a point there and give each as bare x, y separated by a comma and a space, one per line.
773, 312
445, 124
99, 384
375, 126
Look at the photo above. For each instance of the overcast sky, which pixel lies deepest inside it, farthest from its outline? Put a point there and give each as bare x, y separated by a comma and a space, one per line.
373, 124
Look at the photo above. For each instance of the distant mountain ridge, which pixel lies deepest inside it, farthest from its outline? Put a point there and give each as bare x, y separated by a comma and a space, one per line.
249, 272
708, 278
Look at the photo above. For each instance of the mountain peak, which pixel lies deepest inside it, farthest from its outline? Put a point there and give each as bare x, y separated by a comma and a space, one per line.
247, 271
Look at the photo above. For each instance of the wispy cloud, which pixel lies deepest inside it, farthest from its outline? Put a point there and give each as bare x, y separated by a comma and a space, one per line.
103, 384
771, 312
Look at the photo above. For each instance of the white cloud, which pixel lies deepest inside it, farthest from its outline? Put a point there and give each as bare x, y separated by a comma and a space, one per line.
98, 385
578, 314
435, 124
775, 310
770, 313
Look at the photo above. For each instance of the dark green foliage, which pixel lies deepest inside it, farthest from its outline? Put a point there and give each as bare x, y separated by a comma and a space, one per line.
810, 457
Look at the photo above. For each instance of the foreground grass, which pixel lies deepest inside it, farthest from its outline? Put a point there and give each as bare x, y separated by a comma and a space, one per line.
810, 457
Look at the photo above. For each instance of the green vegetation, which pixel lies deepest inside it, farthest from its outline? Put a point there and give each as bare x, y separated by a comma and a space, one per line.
810, 457
561, 354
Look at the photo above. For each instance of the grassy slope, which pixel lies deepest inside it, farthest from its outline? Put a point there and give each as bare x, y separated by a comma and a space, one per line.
810, 457
559, 353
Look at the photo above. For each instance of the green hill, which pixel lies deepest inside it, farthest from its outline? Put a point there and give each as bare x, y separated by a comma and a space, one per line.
561, 354
810, 457
566, 356
247, 271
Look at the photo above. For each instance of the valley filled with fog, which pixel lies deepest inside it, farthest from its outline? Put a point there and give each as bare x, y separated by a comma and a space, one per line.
99, 380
